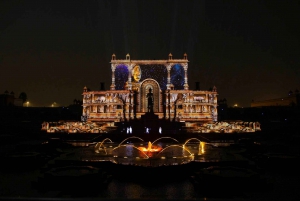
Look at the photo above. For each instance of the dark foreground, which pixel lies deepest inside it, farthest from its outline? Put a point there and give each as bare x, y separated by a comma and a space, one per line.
260, 166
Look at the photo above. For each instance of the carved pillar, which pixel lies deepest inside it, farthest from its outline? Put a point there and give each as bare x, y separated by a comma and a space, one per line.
167, 104
159, 101
113, 68
88, 110
131, 104
166, 100
169, 76
84, 111
185, 67
127, 111
215, 113
171, 111
130, 66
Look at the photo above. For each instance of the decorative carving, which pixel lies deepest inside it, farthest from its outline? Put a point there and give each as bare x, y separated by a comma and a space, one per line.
113, 67
191, 97
198, 98
136, 73
191, 108
124, 97
211, 98
100, 99
185, 66
184, 97
146, 84
169, 66
113, 97
173, 97
200, 105
198, 108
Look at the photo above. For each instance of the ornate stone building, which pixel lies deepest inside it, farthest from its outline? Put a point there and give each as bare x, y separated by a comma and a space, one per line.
141, 86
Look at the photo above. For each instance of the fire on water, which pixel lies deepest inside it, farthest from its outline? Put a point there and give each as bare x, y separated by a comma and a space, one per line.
150, 148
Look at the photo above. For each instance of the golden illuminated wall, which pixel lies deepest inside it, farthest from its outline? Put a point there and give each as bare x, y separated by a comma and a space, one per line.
113, 105
179, 105
188, 105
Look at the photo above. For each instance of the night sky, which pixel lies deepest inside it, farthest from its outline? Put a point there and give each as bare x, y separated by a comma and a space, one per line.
249, 50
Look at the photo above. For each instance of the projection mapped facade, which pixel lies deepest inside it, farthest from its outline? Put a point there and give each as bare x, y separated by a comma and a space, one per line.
131, 83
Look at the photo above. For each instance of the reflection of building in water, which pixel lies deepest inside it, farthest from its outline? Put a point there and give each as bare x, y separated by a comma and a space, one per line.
167, 81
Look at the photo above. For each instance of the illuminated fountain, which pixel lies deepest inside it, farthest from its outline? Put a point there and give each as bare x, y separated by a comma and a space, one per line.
99, 144
154, 153
201, 145
150, 150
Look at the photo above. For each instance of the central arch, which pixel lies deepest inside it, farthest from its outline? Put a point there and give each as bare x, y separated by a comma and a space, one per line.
153, 84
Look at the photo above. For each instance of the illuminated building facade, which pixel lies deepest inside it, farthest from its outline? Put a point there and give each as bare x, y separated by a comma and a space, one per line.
167, 83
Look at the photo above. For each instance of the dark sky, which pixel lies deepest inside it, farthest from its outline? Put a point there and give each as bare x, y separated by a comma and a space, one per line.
52, 49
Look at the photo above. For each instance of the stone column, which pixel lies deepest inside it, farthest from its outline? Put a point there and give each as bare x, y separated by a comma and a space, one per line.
131, 104
169, 76
167, 104
84, 111
160, 107
185, 67
113, 68
127, 111
172, 111
215, 113
130, 66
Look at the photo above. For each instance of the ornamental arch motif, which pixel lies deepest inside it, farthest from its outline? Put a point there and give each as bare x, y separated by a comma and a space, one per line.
145, 85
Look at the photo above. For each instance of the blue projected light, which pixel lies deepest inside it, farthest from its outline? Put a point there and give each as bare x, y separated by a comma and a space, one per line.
156, 72
121, 76
177, 76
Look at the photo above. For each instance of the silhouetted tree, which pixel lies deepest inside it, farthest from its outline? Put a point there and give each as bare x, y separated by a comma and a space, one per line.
23, 96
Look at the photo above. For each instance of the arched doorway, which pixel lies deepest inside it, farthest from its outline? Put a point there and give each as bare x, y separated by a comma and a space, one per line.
145, 86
